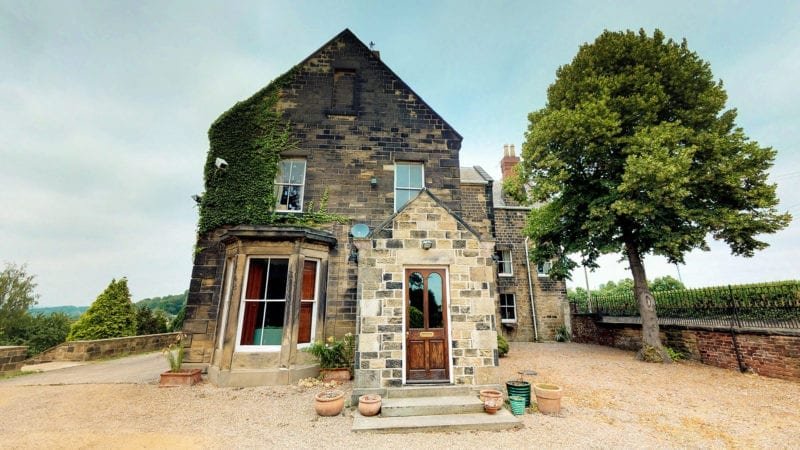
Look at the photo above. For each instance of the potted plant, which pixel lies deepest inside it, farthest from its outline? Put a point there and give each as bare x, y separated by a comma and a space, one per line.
329, 402
178, 376
335, 357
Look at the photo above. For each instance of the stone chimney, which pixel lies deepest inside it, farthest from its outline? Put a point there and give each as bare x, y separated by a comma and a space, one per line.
510, 159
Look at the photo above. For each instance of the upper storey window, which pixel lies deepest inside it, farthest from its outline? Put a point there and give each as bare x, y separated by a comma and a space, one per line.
344, 91
409, 179
290, 184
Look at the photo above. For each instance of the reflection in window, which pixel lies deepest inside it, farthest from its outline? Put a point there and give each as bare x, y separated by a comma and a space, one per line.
408, 181
289, 185
435, 318
264, 302
508, 309
503, 258
416, 300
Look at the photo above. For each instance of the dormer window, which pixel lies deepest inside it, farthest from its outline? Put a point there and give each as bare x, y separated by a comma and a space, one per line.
290, 184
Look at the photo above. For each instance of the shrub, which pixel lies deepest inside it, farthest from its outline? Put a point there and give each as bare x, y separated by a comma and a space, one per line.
562, 334
39, 332
335, 353
111, 315
149, 323
502, 345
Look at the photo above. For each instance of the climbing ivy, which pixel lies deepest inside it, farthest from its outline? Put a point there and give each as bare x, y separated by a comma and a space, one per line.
250, 137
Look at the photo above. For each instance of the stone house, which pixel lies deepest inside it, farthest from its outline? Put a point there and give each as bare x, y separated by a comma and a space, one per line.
335, 203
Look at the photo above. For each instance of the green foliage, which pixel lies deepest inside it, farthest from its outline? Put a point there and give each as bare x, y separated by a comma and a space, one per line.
335, 353
634, 150
16, 295
170, 304
38, 331
72, 311
674, 355
177, 322
111, 315
174, 355
562, 334
502, 345
666, 283
623, 287
149, 323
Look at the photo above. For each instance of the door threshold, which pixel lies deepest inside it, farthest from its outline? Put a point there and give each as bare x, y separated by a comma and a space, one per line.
428, 383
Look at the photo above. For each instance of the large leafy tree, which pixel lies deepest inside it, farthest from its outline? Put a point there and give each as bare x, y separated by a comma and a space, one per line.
635, 153
111, 315
16, 296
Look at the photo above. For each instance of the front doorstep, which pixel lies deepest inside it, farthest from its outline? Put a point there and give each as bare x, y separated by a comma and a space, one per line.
184, 377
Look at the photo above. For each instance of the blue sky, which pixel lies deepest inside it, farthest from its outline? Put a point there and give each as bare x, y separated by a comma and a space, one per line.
105, 107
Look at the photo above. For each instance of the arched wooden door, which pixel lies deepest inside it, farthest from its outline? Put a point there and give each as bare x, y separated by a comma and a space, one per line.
426, 326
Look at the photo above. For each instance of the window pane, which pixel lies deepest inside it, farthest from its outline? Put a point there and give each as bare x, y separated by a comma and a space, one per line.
276, 283
415, 176
401, 175
253, 316
403, 197
298, 172
284, 171
415, 299
256, 278
435, 317
289, 198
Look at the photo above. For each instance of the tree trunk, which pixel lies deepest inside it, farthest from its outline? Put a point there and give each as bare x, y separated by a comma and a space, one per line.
647, 309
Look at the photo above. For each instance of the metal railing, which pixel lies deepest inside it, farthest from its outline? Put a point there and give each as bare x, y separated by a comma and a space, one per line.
768, 305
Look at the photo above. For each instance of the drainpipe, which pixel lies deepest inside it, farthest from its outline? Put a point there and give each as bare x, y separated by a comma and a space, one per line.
530, 291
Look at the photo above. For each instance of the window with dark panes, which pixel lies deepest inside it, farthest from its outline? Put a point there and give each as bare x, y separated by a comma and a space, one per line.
508, 308
290, 184
264, 303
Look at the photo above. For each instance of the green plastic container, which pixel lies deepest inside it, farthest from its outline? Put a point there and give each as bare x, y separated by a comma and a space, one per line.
521, 388
517, 403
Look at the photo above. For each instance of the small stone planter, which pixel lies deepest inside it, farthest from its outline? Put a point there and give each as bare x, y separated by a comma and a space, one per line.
369, 405
329, 402
183, 377
486, 394
548, 397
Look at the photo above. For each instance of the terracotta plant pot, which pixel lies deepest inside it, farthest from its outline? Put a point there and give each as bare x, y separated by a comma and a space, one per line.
183, 377
492, 405
369, 404
340, 374
329, 403
548, 397
490, 394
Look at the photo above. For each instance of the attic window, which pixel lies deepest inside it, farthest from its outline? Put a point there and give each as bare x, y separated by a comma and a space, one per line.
344, 91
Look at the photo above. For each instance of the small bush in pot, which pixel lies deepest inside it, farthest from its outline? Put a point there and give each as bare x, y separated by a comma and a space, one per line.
334, 355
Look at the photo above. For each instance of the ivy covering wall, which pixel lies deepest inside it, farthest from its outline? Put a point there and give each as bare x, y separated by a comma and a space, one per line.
250, 138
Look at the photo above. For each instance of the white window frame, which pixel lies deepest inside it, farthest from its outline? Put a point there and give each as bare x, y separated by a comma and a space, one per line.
543, 268
503, 261
513, 308
397, 185
279, 185
257, 348
315, 301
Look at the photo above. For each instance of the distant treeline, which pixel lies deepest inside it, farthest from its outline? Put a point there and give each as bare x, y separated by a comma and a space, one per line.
170, 304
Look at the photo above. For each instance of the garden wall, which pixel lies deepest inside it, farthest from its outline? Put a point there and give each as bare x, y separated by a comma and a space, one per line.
771, 353
11, 358
106, 348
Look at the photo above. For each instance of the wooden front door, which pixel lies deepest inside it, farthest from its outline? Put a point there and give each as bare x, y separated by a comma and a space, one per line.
426, 326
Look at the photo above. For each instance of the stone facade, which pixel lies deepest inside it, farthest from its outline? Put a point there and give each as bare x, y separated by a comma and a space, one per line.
354, 123
471, 307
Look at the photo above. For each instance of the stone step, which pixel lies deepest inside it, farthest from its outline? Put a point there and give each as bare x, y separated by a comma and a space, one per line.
503, 420
428, 391
431, 406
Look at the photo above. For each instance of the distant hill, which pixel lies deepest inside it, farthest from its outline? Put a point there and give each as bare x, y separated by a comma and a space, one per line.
170, 304
72, 311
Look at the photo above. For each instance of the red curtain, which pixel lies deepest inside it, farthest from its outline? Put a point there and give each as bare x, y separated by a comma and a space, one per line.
255, 283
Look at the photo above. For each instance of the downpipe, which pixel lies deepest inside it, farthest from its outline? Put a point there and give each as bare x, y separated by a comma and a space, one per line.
530, 292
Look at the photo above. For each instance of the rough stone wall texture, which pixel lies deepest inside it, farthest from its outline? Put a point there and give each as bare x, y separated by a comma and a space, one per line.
382, 263
768, 353
548, 295
106, 348
344, 150
476, 208
12, 357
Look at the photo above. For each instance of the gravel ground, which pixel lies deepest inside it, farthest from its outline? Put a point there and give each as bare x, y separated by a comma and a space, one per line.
610, 401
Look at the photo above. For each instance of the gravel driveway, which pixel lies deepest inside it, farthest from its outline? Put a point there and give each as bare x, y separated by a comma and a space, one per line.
611, 401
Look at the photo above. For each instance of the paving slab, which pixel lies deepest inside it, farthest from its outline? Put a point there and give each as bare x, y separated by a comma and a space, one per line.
502, 420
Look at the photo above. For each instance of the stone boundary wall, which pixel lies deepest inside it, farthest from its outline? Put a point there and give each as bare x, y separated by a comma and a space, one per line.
106, 348
770, 353
11, 358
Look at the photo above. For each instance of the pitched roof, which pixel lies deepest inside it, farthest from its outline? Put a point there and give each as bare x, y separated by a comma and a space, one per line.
347, 34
